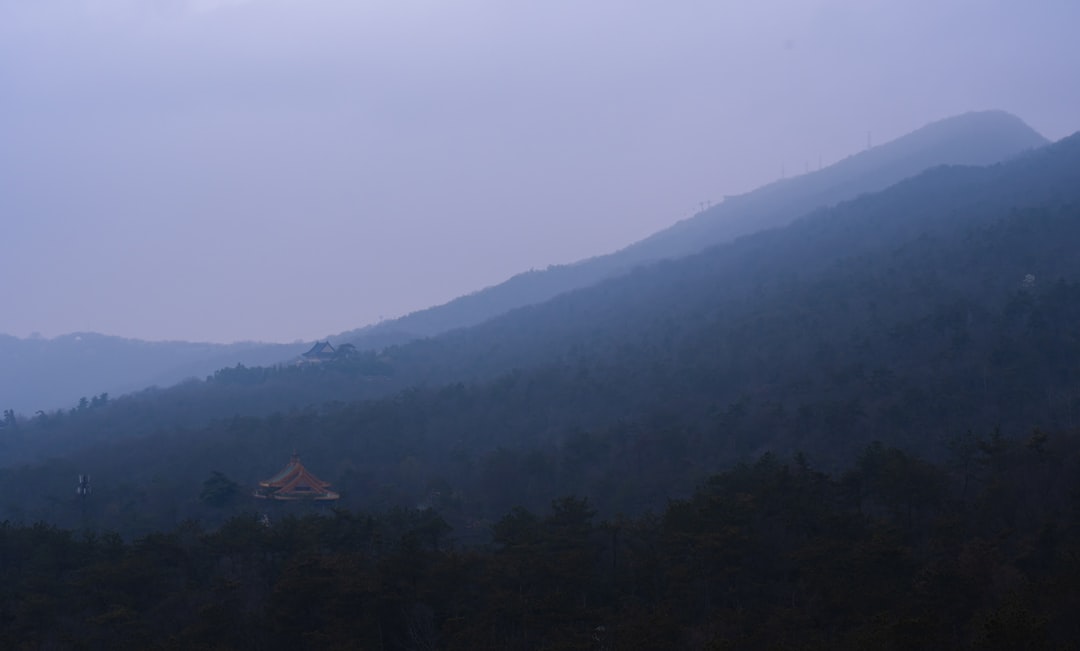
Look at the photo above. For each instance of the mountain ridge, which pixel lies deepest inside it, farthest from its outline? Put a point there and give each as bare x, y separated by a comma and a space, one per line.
685, 324
27, 385
945, 304
974, 138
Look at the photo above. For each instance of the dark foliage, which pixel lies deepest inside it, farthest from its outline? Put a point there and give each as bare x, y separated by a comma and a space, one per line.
895, 553
868, 338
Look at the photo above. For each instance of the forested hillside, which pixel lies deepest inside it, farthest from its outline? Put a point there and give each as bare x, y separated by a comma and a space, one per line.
615, 326
43, 374
944, 305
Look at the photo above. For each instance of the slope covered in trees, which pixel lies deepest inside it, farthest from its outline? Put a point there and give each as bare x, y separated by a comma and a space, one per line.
943, 305
43, 374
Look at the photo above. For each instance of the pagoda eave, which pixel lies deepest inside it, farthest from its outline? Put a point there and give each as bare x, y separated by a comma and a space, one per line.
292, 497
295, 483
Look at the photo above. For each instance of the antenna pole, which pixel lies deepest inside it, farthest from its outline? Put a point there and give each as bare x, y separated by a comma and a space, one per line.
82, 489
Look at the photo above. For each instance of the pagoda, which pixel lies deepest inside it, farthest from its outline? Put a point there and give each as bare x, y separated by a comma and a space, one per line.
295, 483
322, 351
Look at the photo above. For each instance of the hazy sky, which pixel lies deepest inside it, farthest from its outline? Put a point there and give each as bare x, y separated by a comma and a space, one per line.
273, 169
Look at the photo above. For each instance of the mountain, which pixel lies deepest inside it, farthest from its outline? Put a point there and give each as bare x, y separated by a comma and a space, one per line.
45, 374
977, 138
926, 316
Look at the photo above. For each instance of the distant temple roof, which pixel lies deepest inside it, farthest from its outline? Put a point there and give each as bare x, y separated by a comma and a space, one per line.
295, 482
321, 350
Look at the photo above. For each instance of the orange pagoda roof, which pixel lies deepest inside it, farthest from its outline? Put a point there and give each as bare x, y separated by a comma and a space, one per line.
295, 482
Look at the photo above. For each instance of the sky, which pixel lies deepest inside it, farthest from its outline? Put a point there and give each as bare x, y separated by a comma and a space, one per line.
226, 170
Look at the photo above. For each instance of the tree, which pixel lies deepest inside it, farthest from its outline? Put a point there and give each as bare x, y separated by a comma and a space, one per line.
218, 490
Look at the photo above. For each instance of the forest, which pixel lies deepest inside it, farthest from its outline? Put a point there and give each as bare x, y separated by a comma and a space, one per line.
981, 551
944, 304
859, 430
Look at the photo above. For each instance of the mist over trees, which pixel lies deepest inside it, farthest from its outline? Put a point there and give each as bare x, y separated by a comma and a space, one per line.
45, 374
856, 430
658, 326
938, 306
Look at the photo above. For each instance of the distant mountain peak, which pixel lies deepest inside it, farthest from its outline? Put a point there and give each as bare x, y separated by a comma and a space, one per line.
996, 121
974, 138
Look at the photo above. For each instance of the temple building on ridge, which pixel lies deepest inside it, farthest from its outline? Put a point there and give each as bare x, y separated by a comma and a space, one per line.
322, 351
293, 483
